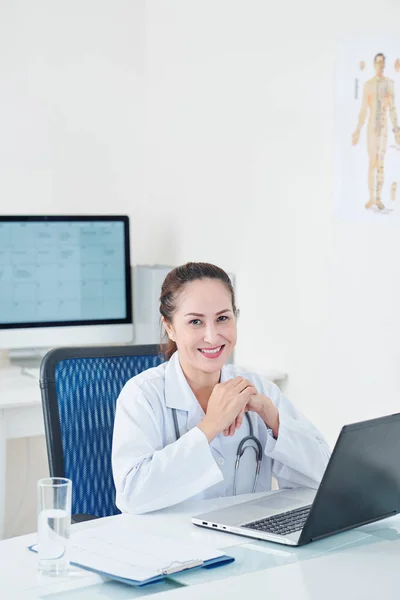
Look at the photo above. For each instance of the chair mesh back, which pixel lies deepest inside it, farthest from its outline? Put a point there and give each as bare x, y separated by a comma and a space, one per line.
87, 391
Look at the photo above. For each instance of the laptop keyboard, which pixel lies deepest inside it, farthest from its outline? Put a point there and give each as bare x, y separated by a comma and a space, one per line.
283, 523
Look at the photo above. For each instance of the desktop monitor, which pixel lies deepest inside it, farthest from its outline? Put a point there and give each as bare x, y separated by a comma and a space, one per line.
64, 280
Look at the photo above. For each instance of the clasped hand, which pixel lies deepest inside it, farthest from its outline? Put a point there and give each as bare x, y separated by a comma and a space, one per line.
228, 403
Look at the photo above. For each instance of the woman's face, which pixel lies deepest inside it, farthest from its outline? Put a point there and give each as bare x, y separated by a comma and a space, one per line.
204, 326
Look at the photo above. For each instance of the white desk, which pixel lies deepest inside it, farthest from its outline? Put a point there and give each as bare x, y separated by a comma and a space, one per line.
20, 416
360, 564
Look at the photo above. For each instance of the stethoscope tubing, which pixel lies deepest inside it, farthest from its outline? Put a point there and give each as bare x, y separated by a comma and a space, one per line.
240, 449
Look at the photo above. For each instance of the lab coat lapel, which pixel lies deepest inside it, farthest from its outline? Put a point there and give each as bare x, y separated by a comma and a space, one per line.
179, 395
177, 390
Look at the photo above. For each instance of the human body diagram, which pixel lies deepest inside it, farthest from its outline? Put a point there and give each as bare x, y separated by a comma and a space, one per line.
378, 107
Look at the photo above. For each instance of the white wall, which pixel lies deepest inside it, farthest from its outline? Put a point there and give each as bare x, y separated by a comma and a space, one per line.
212, 123
239, 141
71, 98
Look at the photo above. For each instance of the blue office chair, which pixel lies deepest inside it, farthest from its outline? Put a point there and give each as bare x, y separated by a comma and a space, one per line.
80, 387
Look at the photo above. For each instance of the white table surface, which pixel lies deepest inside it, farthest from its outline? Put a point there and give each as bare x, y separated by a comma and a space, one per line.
20, 416
359, 564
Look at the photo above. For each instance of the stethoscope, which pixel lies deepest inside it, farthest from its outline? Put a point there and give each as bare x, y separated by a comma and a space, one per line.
243, 445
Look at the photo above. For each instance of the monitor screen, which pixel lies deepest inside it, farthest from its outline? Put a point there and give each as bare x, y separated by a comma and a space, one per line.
63, 271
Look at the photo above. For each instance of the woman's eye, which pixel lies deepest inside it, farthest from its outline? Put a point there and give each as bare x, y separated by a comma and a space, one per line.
195, 322
223, 318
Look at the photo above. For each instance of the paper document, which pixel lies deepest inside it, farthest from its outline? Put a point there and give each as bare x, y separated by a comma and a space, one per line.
135, 555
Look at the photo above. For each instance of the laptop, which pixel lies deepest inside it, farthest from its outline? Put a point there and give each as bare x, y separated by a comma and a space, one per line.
361, 484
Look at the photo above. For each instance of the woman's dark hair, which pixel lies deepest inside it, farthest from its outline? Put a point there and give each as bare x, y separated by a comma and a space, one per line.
174, 283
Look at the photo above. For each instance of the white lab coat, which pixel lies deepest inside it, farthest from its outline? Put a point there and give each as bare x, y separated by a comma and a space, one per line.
153, 470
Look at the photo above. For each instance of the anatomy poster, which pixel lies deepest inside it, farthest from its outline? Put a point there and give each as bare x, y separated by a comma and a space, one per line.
367, 125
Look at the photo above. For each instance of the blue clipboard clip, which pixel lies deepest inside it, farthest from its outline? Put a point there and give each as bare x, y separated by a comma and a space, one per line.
177, 567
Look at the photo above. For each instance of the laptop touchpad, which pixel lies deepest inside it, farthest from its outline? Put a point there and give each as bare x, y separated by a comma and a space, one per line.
277, 501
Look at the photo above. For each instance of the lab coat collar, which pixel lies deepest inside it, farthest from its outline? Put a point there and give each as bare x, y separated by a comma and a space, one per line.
179, 395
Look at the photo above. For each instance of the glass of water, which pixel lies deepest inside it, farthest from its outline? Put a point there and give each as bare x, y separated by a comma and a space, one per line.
54, 522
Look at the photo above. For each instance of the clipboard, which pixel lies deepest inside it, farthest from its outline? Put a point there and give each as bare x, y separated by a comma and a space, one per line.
107, 551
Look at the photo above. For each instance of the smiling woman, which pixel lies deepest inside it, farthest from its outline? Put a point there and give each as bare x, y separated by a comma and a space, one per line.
179, 427
198, 310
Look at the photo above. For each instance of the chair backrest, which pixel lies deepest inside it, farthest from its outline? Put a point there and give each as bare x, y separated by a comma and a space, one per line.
80, 387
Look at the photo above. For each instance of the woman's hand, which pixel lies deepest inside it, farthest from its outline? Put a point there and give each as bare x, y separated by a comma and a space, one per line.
237, 423
266, 409
226, 406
